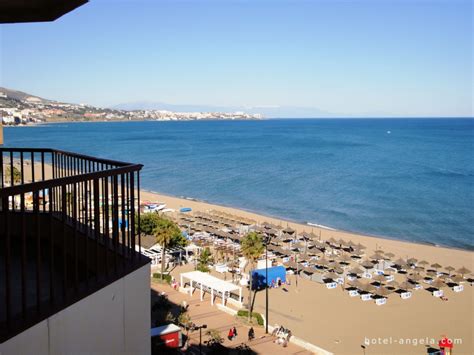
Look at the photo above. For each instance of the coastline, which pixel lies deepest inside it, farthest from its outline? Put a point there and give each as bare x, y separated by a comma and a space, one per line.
455, 257
303, 224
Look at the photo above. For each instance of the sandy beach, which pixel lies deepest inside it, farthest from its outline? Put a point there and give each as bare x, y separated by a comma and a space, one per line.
338, 323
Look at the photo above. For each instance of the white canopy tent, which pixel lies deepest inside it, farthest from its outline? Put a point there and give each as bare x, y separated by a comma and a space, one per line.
206, 282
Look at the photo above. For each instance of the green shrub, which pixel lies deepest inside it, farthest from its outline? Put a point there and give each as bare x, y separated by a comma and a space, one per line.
244, 313
166, 277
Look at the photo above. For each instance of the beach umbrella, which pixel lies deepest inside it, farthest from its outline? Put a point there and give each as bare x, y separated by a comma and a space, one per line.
400, 262
345, 258
367, 264
331, 275
423, 263
360, 246
449, 269
457, 278
431, 273
412, 261
405, 286
463, 271
366, 287
415, 277
358, 252
355, 283
389, 255
323, 261
288, 230
418, 268
392, 285
331, 241
356, 271
309, 270
379, 251
436, 266
438, 284
338, 270
383, 291
379, 278
351, 244
341, 242
376, 256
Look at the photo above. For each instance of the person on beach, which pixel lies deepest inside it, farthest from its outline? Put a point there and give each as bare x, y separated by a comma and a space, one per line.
251, 334
230, 336
234, 331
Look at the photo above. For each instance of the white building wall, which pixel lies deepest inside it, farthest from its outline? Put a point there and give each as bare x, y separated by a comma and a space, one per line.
114, 320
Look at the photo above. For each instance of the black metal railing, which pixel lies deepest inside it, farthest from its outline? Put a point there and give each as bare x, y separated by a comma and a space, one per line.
67, 228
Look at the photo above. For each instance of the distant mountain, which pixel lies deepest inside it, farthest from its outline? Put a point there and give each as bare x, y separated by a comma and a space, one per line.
266, 111
20, 95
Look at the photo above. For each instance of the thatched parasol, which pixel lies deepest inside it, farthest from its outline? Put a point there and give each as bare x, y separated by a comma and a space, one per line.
323, 262
405, 286
436, 266
438, 284
356, 271
415, 277
360, 246
423, 263
449, 269
382, 291
412, 261
345, 258
366, 287
376, 256
379, 278
457, 278
367, 264
331, 275
400, 262
463, 271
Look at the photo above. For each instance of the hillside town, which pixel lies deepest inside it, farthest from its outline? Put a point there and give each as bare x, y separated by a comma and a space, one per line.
18, 108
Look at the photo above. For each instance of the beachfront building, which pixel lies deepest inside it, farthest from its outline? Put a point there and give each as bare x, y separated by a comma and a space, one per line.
71, 278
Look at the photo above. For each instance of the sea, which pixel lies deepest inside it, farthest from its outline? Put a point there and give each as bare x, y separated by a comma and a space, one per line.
404, 179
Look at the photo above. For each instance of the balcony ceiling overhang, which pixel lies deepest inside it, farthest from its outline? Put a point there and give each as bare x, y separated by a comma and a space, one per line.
12, 11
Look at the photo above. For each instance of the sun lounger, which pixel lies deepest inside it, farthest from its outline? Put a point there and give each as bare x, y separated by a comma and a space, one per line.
340, 281
438, 293
380, 301
418, 287
331, 285
405, 295
366, 297
353, 293
458, 288
390, 278
367, 275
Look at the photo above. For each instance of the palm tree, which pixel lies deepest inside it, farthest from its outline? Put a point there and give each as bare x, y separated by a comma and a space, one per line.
167, 233
252, 248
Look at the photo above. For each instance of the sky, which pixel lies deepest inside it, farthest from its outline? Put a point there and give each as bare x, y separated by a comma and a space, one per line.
346, 58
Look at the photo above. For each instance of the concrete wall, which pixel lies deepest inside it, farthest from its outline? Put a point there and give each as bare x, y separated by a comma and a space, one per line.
114, 320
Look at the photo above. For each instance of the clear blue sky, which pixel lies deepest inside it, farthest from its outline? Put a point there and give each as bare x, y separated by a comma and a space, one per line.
398, 57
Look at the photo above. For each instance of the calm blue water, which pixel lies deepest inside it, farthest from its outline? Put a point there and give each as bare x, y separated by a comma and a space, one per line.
414, 184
